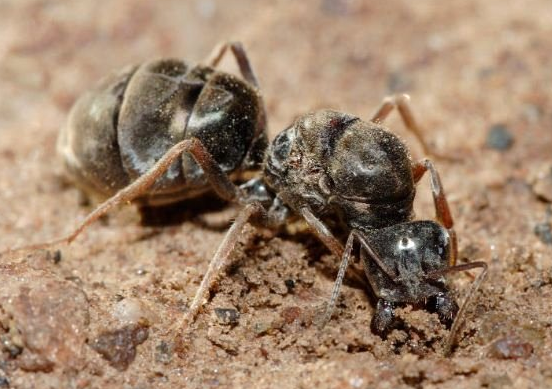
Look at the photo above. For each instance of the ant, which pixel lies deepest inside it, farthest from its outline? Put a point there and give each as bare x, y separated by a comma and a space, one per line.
116, 132
330, 165
327, 165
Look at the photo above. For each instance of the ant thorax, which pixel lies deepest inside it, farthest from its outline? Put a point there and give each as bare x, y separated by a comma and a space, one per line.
336, 163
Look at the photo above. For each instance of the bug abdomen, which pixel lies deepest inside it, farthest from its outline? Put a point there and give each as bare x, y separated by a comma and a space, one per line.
88, 143
117, 132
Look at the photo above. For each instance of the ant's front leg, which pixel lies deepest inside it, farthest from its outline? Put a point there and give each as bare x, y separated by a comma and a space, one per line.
445, 301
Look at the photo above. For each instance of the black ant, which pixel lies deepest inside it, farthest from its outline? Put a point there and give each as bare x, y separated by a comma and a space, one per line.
331, 164
327, 165
116, 132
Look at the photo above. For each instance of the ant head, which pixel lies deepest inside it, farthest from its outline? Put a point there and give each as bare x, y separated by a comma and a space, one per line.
414, 249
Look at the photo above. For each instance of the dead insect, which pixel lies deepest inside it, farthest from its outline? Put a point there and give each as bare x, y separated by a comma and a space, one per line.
116, 132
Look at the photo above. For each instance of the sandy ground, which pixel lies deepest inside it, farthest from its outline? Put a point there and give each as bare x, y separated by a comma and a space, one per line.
99, 313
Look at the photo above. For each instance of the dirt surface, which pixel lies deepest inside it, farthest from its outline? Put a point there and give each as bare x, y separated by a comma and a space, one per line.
99, 313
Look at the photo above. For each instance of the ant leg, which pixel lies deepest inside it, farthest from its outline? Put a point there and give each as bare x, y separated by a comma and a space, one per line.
221, 260
338, 282
354, 235
216, 176
442, 210
322, 232
402, 103
475, 286
241, 58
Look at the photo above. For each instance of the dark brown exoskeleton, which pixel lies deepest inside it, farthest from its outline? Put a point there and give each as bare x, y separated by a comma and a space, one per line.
118, 131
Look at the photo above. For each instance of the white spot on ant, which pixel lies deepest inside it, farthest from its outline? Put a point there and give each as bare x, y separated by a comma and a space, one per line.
406, 244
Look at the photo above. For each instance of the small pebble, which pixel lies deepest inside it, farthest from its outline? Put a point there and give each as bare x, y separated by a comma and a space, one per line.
542, 183
141, 272
163, 352
55, 256
336, 7
398, 82
227, 315
496, 381
290, 314
499, 138
130, 311
11, 347
290, 285
261, 328
4, 382
118, 347
544, 232
511, 347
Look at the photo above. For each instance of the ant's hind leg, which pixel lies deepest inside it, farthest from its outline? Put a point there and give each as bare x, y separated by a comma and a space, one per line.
442, 210
241, 58
216, 176
402, 103
221, 260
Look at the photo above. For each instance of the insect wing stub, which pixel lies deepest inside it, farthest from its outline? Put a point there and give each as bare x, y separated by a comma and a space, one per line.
411, 251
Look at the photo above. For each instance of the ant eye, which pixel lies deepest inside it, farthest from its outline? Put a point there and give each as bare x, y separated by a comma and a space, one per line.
281, 147
443, 244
